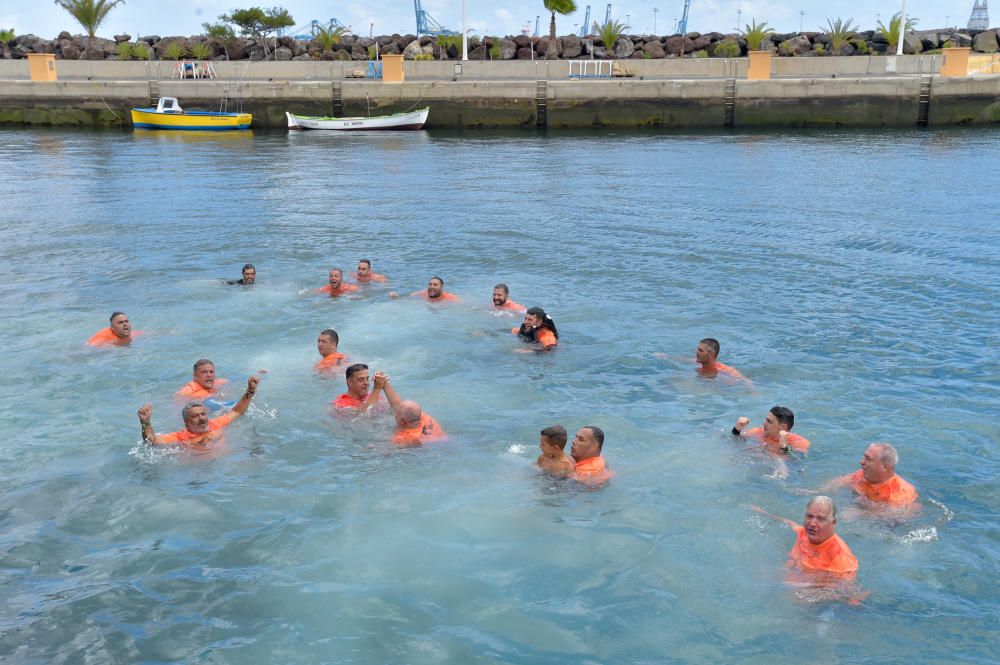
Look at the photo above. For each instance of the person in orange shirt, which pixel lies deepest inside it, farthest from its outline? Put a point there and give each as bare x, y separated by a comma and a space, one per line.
877, 481
554, 459
198, 430
538, 327
337, 286
775, 435
414, 426
502, 301
119, 333
332, 360
433, 293
818, 548
358, 395
708, 366
203, 383
364, 274
590, 467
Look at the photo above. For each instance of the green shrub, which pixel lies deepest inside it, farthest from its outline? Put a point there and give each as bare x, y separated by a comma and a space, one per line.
141, 51
174, 51
820, 49
840, 32
948, 44
372, 52
496, 53
700, 54
610, 32
423, 56
860, 46
123, 50
727, 49
785, 48
202, 51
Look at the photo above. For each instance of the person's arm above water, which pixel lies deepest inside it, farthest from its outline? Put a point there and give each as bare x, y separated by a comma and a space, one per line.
390, 392
741, 424
778, 518
241, 407
145, 422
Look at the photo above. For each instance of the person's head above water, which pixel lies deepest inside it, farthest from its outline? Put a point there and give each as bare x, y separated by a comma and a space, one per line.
364, 269
588, 442
195, 417
708, 351
408, 413
778, 419
500, 295
357, 380
820, 522
878, 464
120, 325
536, 317
335, 278
327, 342
555, 436
435, 287
204, 373
249, 274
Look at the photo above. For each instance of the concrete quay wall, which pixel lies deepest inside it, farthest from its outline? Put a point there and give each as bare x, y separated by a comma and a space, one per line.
621, 103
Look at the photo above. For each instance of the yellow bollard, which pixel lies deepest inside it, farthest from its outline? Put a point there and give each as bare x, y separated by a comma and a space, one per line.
760, 66
956, 62
392, 68
42, 66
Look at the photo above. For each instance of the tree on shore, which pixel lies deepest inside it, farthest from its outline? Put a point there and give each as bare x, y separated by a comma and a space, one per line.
259, 23
558, 7
895, 30
6, 37
840, 32
756, 33
89, 13
222, 33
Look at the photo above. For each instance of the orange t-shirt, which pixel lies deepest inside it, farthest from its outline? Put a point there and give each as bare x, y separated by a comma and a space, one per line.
895, 491
194, 390
108, 336
329, 363
344, 288
444, 297
543, 336
348, 401
215, 425
427, 429
593, 470
799, 443
511, 305
831, 556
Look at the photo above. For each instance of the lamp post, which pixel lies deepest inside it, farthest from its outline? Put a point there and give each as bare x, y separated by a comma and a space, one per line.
465, 35
902, 29
655, 11
802, 18
628, 20
739, 13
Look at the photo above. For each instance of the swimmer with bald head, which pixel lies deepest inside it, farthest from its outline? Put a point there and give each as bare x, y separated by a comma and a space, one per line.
336, 285
414, 426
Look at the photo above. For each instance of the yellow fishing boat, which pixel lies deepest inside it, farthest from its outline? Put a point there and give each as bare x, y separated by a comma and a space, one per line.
168, 114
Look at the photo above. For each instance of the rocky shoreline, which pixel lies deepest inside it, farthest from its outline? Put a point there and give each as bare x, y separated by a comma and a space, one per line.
569, 47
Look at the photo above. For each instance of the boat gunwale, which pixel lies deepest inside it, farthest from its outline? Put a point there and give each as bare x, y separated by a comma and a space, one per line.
328, 118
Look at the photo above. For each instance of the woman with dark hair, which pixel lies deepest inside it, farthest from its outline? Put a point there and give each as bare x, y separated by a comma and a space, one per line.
538, 327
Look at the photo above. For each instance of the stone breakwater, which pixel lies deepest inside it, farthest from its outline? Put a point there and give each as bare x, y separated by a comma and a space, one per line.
568, 47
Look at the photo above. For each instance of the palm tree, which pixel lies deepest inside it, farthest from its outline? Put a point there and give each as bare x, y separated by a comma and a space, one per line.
609, 34
894, 32
839, 32
329, 37
756, 33
558, 7
6, 37
89, 13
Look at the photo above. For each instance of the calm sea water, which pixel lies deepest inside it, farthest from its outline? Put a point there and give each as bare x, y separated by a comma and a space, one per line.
853, 276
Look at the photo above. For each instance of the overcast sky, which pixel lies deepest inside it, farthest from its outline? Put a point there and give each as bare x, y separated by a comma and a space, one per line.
184, 17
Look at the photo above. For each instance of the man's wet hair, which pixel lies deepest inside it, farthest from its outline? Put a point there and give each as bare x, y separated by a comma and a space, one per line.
438, 279
187, 409
502, 287
547, 321
598, 434
332, 334
354, 369
340, 270
711, 343
887, 455
248, 266
823, 501
366, 262
784, 416
203, 361
114, 314
556, 435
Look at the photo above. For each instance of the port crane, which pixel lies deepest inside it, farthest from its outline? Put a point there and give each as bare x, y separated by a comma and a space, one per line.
682, 27
309, 30
426, 25
585, 26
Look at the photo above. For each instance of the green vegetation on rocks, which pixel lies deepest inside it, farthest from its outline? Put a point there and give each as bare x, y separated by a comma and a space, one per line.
89, 13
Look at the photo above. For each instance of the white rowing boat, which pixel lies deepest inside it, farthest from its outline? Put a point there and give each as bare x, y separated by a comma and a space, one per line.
408, 120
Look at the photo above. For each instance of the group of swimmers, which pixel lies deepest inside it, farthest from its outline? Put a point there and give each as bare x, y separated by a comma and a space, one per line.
818, 551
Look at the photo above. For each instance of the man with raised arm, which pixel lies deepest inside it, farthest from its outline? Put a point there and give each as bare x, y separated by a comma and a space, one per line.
876, 480
364, 274
706, 356
198, 430
358, 395
336, 286
775, 436
818, 548
588, 444
119, 333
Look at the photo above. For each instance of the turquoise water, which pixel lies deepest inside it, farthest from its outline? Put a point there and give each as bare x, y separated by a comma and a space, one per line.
852, 276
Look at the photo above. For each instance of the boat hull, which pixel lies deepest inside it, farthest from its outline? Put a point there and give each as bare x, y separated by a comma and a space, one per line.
398, 121
190, 121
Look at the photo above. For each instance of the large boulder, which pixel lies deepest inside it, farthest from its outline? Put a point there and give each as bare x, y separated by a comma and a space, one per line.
572, 47
525, 53
478, 53
359, 52
122, 38
654, 49
986, 42
929, 38
624, 48
238, 50
508, 49
797, 45
960, 39
542, 45
283, 54
299, 49
341, 55
678, 45
413, 49
912, 44
69, 49
522, 41
700, 42
149, 39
